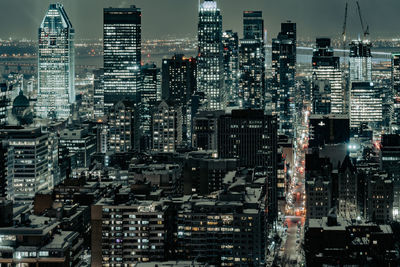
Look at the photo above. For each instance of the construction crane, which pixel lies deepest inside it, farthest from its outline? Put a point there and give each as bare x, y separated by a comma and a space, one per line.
365, 30
344, 29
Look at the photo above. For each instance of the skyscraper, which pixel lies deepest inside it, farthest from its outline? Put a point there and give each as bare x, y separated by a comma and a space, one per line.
56, 65
230, 42
98, 93
122, 54
284, 74
360, 61
178, 79
210, 63
365, 105
396, 90
253, 25
326, 67
151, 83
252, 61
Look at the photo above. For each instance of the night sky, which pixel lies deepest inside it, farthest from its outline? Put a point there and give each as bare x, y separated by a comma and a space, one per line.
162, 18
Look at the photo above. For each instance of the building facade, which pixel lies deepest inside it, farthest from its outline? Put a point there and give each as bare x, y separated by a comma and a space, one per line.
56, 65
122, 54
210, 61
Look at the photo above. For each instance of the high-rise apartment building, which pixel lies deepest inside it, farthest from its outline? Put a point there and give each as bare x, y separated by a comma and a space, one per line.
166, 128
56, 65
210, 62
121, 123
122, 54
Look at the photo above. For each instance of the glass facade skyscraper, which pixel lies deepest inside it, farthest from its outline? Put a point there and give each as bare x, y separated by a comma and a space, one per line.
122, 54
56, 66
326, 67
210, 62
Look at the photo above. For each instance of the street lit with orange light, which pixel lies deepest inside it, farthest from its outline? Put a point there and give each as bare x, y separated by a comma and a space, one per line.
291, 253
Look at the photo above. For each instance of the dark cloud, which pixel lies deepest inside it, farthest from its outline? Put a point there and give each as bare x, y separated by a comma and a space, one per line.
21, 18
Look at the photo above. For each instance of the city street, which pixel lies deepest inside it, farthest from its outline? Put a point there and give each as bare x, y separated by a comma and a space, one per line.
291, 249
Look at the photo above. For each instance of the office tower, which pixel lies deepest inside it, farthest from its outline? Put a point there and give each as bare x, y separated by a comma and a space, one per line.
166, 128
252, 61
283, 76
121, 123
253, 25
210, 62
29, 160
80, 143
205, 130
178, 79
326, 67
129, 232
396, 92
151, 83
98, 94
230, 42
122, 54
365, 105
360, 61
56, 65
249, 136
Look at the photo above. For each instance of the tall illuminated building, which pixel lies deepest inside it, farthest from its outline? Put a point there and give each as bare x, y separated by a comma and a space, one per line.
122, 54
56, 65
210, 62
326, 67
230, 42
252, 61
360, 61
151, 83
365, 105
396, 91
284, 74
